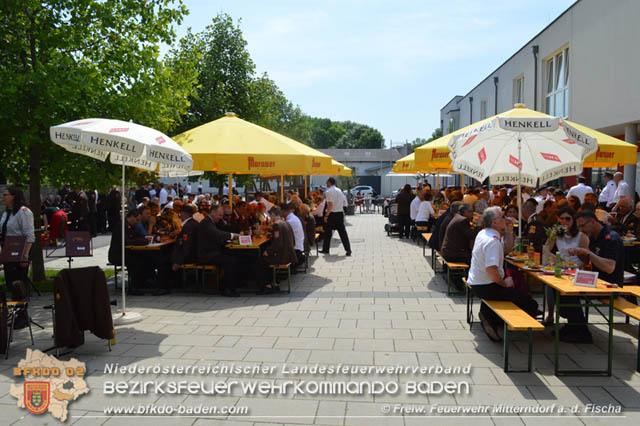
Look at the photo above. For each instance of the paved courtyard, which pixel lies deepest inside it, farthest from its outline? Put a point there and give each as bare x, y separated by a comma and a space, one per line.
383, 307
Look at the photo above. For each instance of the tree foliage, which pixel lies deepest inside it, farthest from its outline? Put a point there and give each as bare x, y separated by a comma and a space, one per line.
61, 60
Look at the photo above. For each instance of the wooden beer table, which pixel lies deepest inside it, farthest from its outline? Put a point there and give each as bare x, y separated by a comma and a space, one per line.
564, 287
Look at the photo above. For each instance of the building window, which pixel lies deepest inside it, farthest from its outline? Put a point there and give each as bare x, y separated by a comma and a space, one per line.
557, 89
483, 110
518, 90
452, 125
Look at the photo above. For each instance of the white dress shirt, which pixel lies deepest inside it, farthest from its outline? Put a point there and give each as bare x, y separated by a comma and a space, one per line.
622, 191
579, 191
488, 250
415, 204
162, 197
298, 231
337, 199
606, 196
425, 211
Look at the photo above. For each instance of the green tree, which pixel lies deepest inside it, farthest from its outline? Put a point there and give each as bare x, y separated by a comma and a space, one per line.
67, 59
360, 136
225, 73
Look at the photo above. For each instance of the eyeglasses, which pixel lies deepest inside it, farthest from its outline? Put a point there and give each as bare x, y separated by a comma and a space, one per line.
566, 218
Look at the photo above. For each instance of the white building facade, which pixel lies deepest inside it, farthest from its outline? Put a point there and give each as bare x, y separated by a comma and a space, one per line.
584, 66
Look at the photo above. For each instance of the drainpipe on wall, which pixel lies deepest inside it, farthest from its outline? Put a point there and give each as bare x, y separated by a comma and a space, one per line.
534, 50
495, 83
495, 106
470, 109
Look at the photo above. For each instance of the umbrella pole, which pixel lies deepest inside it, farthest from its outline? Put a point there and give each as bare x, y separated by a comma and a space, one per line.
438, 182
122, 219
306, 193
282, 188
231, 191
519, 185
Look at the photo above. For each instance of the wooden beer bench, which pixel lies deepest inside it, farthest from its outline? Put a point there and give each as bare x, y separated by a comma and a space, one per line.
515, 320
630, 310
425, 237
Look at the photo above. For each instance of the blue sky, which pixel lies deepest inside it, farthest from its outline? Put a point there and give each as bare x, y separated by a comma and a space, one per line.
389, 64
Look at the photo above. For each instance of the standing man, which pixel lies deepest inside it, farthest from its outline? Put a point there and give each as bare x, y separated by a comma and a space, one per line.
610, 186
622, 191
486, 274
334, 217
580, 189
162, 195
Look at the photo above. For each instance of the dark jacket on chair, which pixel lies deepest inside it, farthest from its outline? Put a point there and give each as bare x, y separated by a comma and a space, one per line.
309, 225
81, 303
210, 240
186, 244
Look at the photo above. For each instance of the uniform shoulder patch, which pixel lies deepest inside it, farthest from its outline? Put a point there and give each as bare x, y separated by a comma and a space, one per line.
24, 209
496, 238
276, 234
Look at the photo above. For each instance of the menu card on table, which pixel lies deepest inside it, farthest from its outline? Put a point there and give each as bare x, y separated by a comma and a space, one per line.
586, 279
245, 240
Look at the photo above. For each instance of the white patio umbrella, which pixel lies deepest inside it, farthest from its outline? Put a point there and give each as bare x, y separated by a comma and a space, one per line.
127, 144
521, 146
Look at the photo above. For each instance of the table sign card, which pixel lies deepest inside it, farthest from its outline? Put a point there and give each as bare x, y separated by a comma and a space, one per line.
77, 244
245, 240
586, 279
14, 249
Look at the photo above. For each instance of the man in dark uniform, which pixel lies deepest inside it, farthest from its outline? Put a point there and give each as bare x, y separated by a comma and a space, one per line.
280, 252
532, 227
79, 211
136, 265
606, 255
210, 250
185, 249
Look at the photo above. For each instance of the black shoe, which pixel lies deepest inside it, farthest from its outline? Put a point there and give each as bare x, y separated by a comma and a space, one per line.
230, 293
348, 254
323, 252
488, 328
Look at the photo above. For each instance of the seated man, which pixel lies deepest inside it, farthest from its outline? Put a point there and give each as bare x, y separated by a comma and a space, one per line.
624, 221
298, 231
459, 237
138, 268
606, 254
591, 203
280, 252
533, 227
184, 251
211, 250
486, 274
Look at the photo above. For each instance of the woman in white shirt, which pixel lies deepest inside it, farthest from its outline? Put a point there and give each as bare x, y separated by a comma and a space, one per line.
16, 221
569, 239
425, 211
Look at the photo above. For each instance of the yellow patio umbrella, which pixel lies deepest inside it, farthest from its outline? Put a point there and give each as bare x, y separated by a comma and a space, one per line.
408, 164
230, 145
611, 152
346, 171
233, 145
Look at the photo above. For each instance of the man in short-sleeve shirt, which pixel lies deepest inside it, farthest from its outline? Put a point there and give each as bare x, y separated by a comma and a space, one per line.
486, 274
606, 255
334, 217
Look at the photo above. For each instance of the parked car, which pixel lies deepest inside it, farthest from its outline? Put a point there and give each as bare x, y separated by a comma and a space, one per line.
363, 189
